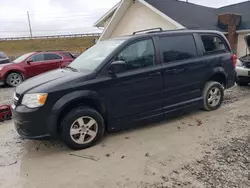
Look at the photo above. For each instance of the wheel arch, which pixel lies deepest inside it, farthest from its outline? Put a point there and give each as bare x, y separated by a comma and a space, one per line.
74, 100
14, 71
218, 75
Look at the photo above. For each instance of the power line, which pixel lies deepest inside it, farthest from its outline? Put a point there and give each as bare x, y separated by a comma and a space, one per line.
87, 16
67, 14
63, 17
58, 30
24, 21
50, 15
32, 17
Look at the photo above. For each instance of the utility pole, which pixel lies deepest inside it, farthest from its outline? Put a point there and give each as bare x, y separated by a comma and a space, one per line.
29, 24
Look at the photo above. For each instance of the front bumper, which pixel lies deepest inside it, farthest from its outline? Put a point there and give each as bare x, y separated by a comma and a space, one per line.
30, 123
242, 72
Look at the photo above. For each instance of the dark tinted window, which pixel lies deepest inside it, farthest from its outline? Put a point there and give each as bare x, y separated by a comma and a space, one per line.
51, 56
176, 48
38, 57
213, 44
138, 55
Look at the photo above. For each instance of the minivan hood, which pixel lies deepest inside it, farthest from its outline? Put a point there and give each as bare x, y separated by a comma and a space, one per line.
247, 40
48, 80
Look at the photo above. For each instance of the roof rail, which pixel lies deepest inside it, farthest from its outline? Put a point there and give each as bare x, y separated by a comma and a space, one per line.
149, 30
53, 50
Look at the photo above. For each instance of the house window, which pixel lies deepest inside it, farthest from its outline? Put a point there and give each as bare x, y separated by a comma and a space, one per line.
138, 55
213, 44
176, 48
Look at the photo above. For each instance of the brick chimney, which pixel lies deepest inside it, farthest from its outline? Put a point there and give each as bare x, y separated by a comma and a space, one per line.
230, 23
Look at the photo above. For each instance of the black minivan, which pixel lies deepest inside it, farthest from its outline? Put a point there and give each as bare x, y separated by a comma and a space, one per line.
122, 82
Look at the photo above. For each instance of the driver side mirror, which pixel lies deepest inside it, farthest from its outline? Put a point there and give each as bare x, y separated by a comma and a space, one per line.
117, 67
29, 61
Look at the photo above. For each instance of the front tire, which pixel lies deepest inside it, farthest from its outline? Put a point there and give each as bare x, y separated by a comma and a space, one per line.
14, 79
213, 95
82, 128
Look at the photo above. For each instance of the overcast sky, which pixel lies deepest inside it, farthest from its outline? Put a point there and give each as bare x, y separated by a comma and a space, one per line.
50, 17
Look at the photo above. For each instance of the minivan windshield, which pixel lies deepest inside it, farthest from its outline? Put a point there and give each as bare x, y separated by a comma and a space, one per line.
22, 58
93, 57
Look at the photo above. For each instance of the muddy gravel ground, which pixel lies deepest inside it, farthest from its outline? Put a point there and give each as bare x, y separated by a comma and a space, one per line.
6, 94
200, 149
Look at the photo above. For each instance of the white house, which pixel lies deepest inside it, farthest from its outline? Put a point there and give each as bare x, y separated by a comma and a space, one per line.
133, 15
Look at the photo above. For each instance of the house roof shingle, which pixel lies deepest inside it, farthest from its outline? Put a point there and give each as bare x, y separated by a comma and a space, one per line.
196, 16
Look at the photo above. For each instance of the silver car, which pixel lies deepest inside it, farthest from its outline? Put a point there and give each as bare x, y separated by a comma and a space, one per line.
243, 67
4, 58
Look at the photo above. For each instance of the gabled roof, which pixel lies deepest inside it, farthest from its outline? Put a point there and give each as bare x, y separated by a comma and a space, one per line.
194, 16
188, 14
110, 13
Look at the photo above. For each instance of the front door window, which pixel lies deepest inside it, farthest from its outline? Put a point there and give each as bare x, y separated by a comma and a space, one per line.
138, 55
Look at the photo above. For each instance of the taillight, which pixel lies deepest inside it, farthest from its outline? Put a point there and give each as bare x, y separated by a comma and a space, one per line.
234, 57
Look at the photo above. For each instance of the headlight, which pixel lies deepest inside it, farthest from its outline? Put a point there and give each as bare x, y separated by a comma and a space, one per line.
1, 68
239, 63
34, 100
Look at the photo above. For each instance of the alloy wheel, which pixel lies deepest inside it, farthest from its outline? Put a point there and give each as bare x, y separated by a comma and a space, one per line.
84, 130
15, 79
214, 96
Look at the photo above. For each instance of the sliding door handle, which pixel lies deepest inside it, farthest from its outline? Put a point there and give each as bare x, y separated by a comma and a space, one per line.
174, 71
155, 74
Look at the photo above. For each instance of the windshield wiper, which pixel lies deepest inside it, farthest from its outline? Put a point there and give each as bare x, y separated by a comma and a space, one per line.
71, 68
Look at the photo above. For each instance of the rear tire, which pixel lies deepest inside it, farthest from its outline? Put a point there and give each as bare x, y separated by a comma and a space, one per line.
241, 82
82, 128
213, 95
14, 79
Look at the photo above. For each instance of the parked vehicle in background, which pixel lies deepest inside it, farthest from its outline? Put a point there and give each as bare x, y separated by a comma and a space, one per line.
75, 55
3, 58
32, 64
5, 112
123, 81
243, 66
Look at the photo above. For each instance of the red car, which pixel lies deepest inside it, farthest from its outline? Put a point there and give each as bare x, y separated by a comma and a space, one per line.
32, 64
5, 112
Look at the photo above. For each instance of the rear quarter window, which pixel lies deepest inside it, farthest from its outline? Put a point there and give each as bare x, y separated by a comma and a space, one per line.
213, 44
51, 56
176, 48
67, 54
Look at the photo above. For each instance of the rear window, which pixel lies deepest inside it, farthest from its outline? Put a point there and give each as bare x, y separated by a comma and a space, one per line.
213, 44
176, 48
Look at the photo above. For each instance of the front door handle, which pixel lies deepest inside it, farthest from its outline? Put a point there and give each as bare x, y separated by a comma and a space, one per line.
155, 74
